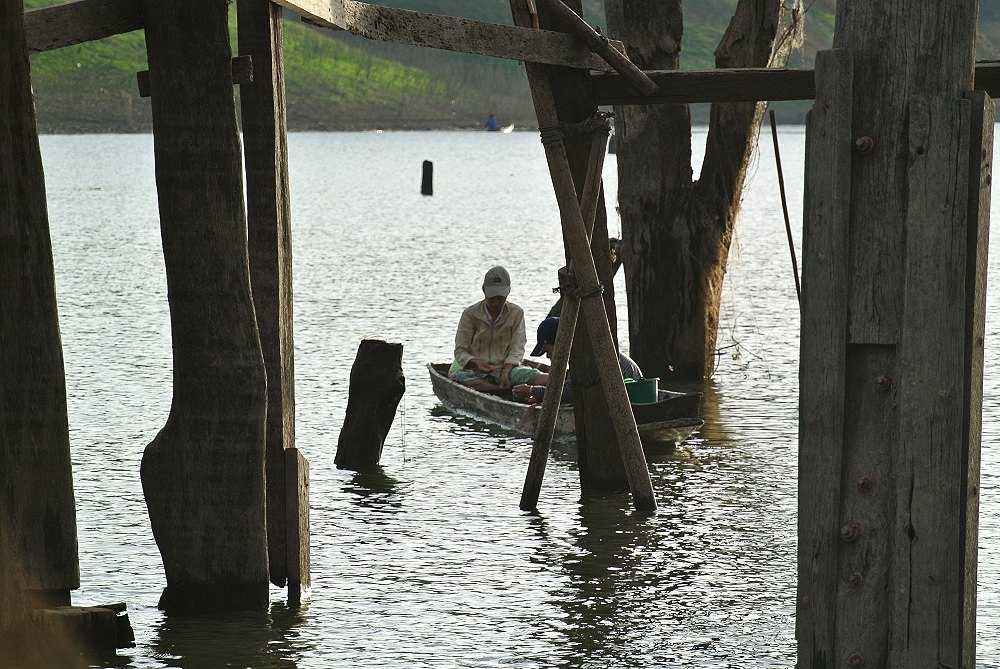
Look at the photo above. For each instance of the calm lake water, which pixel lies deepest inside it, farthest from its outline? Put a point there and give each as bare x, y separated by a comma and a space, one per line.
430, 563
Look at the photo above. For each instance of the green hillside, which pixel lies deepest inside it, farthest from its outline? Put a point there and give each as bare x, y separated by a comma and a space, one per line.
339, 81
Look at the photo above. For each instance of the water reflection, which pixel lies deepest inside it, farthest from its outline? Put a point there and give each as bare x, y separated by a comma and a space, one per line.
375, 490
260, 640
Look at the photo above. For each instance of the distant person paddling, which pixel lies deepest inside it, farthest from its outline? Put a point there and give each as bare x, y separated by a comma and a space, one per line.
489, 343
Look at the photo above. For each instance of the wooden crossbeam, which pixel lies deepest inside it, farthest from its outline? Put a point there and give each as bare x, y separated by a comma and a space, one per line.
401, 26
731, 85
80, 21
327, 13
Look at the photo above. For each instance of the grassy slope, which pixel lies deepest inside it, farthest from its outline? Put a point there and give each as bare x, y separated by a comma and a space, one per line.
341, 81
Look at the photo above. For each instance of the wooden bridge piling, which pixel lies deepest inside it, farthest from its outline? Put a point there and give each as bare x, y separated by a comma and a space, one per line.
203, 474
895, 227
38, 543
265, 151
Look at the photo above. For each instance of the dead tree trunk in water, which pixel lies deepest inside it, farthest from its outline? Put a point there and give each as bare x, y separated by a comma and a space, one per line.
377, 385
38, 547
676, 231
897, 190
203, 475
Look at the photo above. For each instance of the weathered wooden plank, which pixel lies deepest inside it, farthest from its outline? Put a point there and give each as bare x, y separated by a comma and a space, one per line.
38, 544
80, 21
297, 524
451, 33
265, 158
981, 136
822, 355
930, 463
729, 85
327, 13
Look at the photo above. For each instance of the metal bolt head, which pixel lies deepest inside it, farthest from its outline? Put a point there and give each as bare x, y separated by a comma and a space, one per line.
850, 533
883, 383
865, 146
856, 579
856, 659
864, 484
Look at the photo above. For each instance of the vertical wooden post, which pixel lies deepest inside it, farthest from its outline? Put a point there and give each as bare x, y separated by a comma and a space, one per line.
897, 190
427, 178
265, 150
203, 475
601, 354
38, 546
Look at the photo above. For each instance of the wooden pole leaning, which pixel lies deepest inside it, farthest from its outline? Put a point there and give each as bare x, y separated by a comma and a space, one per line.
564, 337
601, 46
577, 243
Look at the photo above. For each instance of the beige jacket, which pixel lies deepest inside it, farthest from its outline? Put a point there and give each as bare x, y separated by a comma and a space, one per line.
500, 343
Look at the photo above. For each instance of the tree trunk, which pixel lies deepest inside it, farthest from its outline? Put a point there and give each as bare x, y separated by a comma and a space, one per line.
676, 232
203, 475
38, 546
601, 465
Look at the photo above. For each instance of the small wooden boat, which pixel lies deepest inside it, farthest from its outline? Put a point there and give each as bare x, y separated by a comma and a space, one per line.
664, 423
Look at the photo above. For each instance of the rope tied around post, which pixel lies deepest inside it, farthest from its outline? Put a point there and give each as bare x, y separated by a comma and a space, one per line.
599, 122
570, 287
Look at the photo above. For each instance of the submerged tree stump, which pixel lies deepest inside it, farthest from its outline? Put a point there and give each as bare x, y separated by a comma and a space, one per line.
377, 385
38, 547
203, 475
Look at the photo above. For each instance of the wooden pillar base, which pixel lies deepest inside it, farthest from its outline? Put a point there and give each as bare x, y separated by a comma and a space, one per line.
297, 525
198, 597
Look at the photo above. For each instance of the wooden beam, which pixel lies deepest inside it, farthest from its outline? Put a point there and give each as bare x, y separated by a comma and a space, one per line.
451, 33
327, 13
79, 21
683, 87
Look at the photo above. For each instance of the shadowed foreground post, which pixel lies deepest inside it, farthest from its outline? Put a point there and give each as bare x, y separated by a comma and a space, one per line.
377, 385
38, 548
203, 474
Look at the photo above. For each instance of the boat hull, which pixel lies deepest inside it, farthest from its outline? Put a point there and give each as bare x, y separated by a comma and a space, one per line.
661, 424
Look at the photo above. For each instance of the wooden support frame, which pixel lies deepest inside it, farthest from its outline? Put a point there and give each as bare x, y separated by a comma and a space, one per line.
79, 21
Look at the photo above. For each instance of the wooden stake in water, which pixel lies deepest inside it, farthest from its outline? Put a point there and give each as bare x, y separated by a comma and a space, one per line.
427, 180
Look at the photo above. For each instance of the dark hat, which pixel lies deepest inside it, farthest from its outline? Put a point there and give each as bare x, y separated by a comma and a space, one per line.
546, 334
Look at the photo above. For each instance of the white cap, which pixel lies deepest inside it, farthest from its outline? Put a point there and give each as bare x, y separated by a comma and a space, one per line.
497, 282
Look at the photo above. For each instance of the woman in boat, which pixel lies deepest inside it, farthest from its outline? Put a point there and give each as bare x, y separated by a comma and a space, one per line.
490, 341
547, 329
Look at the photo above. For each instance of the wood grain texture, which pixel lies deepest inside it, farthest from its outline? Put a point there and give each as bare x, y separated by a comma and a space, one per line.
825, 231
747, 84
328, 13
80, 21
296, 505
402, 26
203, 474
265, 151
981, 138
930, 461
38, 545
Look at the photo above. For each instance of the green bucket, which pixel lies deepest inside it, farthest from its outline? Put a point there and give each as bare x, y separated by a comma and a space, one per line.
642, 391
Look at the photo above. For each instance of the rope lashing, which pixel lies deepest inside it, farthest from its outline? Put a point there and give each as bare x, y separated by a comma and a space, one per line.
573, 290
603, 46
599, 122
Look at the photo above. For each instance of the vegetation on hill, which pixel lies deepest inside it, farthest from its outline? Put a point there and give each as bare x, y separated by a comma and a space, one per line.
340, 81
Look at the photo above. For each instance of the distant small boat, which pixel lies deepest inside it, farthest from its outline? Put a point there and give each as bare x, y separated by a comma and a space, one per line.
507, 128
664, 423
